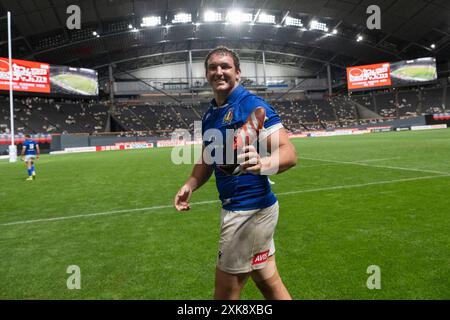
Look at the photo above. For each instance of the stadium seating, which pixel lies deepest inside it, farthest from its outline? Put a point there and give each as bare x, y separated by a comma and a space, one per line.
408, 103
39, 115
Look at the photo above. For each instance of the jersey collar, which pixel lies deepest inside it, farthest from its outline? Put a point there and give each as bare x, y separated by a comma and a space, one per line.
230, 99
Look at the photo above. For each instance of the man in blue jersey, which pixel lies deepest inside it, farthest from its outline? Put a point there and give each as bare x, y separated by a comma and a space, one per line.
249, 207
30, 152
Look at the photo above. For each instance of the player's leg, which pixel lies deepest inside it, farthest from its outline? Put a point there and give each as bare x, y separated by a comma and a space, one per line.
269, 281
33, 171
229, 286
233, 269
29, 164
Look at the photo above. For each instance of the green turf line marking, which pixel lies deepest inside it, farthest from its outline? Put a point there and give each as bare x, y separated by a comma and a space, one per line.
377, 166
216, 201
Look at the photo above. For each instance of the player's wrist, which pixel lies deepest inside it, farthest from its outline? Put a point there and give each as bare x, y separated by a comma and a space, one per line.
269, 166
191, 184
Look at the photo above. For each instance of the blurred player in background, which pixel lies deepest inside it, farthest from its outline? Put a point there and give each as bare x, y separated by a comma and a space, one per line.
30, 153
249, 207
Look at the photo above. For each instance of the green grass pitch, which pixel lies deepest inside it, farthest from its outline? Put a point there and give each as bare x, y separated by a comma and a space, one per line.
420, 72
352, 201
78, 82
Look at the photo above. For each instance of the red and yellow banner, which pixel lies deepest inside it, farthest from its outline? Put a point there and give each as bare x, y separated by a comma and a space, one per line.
28, 76
369, 76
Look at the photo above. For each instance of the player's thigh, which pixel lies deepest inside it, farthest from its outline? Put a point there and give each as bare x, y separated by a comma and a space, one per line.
268, 272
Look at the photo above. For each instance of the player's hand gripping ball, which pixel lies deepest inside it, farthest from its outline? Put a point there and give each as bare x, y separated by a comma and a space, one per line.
246, 135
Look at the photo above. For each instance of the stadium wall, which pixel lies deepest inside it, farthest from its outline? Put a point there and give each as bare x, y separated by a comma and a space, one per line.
416, 121
60, 142
252, 70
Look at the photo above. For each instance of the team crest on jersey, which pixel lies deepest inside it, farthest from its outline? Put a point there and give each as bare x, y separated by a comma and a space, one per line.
228, 116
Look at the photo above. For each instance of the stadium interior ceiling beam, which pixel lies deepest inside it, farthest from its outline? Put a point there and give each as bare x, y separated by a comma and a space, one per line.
162, 54
21, 36
100, 21
165, 13
443, 42
314, 49
417, 12
63, 27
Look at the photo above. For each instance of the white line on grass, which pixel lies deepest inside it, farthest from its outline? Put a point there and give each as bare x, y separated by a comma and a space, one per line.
336, 164
375, 160
214, 201
377, 166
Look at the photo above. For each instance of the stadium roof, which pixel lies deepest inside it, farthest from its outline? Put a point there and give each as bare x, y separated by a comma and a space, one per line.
408, 28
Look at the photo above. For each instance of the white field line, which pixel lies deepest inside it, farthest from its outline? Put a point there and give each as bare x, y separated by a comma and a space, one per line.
377, 166
216, 201
375, 160
336, 164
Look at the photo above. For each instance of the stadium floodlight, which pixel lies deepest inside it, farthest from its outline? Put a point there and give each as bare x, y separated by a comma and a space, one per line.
316, 25
237, 16
335, 31
433, 46
130, 26
182, 18
266, 18
293, 22
94, 33
359, 38
151, 21
212, 16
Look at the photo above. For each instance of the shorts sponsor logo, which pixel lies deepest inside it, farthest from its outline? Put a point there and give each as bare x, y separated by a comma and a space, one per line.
260, 257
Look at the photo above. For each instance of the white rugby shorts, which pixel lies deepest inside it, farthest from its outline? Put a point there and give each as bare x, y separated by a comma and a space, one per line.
30, 157
246, 239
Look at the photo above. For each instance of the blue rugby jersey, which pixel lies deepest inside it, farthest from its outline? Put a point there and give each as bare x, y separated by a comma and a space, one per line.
30, 147
247, 191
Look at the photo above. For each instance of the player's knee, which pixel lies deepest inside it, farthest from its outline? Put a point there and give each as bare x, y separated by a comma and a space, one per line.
227, 291
228, 286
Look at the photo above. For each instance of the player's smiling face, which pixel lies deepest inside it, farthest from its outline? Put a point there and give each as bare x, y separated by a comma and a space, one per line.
222, 74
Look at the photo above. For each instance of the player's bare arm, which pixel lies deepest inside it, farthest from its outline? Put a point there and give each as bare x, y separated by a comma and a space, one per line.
282, 155
38, 151
199, 176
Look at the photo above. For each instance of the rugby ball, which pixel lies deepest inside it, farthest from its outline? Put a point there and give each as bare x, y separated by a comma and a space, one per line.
246, 135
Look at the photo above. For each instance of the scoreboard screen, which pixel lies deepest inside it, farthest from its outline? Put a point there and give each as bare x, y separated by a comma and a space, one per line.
30, 76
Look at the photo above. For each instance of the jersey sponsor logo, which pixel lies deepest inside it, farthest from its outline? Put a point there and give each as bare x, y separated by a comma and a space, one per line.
228, 116
260, 257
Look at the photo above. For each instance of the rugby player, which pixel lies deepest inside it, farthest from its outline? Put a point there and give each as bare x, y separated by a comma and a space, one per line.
249, 207
30, 153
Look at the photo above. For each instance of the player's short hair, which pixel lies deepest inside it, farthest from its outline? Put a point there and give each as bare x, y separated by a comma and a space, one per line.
224, 51
28, 135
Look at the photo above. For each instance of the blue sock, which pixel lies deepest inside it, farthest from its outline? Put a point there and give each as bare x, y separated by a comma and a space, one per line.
29, 172
32, 168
